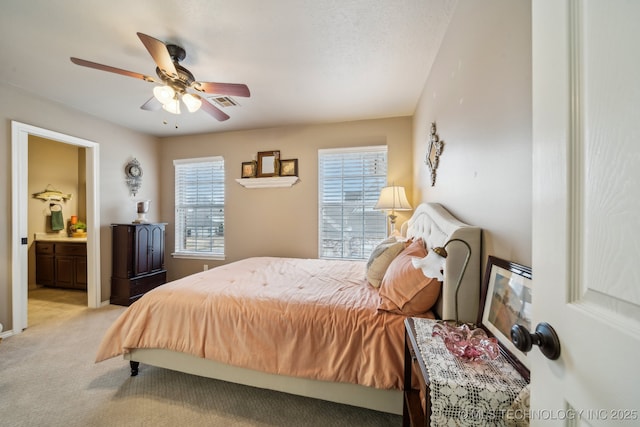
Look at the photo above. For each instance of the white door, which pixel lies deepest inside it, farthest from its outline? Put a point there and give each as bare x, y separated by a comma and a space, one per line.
586, 202
20, 133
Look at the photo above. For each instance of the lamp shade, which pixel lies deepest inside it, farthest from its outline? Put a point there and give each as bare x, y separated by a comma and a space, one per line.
192, 102
431, 265
164, 94
393, 198
172, 106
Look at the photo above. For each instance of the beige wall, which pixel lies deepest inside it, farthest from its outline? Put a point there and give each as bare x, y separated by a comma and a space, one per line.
116, 146
479, 94
277, 221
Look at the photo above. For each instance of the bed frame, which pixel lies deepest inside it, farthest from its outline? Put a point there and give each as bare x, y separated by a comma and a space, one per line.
429, 221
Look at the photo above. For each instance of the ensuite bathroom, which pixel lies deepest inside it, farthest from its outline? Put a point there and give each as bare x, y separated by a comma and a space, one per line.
57, 279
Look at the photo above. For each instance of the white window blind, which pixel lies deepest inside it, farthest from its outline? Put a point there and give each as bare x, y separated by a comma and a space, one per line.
350, 180
199, 203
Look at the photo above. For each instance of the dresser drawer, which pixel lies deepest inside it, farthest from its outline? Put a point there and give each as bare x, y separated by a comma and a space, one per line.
79, 249
145, 284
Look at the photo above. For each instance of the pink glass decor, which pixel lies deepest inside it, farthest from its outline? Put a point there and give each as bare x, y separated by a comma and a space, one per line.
466, 343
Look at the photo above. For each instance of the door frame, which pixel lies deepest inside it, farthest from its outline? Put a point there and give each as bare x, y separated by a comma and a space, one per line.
20, 133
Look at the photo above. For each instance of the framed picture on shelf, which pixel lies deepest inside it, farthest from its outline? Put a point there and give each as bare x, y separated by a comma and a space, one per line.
268, 163
289, 167
506, 301
248, 169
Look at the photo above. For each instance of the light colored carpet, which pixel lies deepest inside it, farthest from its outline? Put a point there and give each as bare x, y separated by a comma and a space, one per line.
48, 378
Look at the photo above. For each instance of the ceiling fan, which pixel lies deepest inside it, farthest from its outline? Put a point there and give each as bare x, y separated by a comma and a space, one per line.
177, 83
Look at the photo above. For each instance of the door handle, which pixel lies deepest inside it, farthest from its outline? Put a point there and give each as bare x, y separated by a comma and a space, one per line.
544, 337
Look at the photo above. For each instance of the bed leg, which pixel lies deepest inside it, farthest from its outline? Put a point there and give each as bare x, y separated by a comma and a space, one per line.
134, 368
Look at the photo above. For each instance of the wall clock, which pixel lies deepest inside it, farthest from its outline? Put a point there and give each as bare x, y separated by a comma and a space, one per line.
133, 172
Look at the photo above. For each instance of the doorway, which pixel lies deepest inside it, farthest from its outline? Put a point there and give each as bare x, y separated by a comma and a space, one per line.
20, 133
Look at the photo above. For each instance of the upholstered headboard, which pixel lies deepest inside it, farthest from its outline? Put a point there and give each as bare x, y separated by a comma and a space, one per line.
437, 226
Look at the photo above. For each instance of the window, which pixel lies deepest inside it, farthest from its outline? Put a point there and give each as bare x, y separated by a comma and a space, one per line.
199, 199
350, 180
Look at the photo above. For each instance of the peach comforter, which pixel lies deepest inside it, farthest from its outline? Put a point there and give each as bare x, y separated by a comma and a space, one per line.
299, 317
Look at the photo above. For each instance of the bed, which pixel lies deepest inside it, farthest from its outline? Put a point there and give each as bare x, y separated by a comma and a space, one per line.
310, 327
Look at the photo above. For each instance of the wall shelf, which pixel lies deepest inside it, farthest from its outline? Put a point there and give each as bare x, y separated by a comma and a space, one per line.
270, 182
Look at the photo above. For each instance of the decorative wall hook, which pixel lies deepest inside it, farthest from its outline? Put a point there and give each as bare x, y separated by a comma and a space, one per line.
434, 149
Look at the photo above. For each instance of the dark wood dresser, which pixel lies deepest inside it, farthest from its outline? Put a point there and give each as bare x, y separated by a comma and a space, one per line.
138, 260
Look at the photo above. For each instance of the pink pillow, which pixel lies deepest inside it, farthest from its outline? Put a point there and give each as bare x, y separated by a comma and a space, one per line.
404, 288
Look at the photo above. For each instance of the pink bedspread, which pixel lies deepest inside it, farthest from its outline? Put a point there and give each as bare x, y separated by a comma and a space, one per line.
299, 317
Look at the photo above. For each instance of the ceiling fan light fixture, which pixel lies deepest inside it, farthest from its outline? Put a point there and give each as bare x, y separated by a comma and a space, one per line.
193, 102
173, 80
164, 94
173, 106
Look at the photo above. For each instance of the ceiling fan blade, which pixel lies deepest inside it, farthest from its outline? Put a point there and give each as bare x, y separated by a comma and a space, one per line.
152, 104
159, 53
214, 111
234, 89
102, 67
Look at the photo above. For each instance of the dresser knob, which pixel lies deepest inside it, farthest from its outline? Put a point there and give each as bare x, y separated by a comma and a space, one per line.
544, 337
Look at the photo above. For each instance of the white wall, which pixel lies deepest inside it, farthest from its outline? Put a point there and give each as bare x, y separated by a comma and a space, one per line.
479, 94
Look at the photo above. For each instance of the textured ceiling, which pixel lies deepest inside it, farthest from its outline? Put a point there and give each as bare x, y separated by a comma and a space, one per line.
305, 61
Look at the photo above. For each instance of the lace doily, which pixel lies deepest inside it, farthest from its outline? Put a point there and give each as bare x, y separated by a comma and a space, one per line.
466, 393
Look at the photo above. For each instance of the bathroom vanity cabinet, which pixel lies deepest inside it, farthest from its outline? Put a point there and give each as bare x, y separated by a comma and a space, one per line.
61, 264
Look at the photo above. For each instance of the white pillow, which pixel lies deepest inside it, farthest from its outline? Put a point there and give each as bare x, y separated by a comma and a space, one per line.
380, 258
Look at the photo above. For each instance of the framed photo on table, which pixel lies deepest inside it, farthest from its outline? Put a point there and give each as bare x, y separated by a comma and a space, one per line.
506, 301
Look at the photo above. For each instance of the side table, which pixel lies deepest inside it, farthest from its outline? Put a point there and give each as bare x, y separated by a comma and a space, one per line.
412, 411
454, 391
